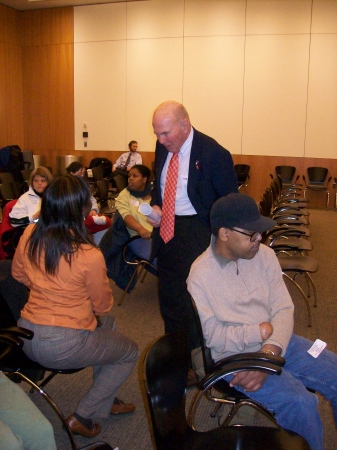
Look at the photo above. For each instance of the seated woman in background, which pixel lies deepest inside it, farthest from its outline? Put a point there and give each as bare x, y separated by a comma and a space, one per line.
127, 204
95, 222
69, 301
27, 208
78, 169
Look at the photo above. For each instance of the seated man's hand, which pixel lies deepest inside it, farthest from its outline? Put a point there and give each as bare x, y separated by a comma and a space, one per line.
249, 380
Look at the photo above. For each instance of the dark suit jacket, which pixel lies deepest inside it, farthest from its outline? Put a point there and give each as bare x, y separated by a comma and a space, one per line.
211, 174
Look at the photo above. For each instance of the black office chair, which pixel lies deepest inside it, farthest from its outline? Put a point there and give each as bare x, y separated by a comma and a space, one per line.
242, 173
290, 195
9, 191
165, 378
318, 181
6, 177
228, 395
11, 344
141, 264
105, 200
287, 175
296, 265
97, 174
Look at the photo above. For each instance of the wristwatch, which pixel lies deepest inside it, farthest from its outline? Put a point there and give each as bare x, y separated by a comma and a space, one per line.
269, 352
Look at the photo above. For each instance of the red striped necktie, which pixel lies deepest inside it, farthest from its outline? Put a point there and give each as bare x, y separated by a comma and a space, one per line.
168, 209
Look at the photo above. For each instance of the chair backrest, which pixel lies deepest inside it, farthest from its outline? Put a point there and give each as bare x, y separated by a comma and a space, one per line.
10, 190
242, 172
26, 174
317, 174
165, 374
286, 173
28, 159
97, 173
120, 182
102, 188
13, 296
6, 177
206, 352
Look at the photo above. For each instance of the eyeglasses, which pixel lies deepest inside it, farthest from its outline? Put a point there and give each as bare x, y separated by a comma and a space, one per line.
253, 237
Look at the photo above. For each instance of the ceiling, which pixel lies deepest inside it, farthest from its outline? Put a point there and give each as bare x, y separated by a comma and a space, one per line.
25, 5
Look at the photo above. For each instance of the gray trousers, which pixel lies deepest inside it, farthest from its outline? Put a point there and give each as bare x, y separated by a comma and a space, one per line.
112, 355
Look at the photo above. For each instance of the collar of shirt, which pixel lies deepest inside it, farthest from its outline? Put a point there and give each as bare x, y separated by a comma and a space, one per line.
221, 260
183, 204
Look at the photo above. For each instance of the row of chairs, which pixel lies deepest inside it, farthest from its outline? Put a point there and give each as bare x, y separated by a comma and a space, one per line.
289, 238
316, 180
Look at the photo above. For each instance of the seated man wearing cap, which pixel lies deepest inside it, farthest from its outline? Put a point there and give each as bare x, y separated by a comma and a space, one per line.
244, 306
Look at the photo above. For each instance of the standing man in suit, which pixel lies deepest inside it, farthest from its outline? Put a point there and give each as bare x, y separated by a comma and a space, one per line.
202, 171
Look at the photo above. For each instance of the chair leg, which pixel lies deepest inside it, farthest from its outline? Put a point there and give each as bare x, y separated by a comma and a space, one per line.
303, 295
51, 403
135, 274
234, 407
310, 280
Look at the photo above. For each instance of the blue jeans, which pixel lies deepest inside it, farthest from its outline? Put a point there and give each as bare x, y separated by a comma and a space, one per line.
286, 395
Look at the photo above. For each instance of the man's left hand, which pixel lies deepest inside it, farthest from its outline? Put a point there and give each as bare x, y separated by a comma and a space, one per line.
249, 380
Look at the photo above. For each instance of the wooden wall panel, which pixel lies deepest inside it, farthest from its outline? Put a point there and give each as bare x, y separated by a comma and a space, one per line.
49, 97
11, 97
47, 26
48, 73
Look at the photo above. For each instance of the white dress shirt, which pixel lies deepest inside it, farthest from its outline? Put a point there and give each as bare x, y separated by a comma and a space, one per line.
183, 206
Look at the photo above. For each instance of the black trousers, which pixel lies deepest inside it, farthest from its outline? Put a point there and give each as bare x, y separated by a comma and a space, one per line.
191, 238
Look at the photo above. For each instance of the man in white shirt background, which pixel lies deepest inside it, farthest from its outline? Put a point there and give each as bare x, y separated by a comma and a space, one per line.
127, 160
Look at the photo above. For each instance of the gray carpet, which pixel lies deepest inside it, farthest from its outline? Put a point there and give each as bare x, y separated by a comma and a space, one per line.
140, 319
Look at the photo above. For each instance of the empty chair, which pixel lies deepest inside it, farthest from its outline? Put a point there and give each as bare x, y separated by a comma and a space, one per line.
6, 177
28, 159
318, 181
242, 173
106, 202
287, 173
299, 265
165, 373
136, 252
97, 174
9, 191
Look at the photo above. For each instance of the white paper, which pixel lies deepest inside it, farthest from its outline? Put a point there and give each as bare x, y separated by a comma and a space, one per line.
317, 347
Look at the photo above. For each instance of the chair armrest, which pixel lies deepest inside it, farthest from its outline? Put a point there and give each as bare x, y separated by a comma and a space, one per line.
7, 338
18, 332
8, 343
261, 362
255, 356
285, 231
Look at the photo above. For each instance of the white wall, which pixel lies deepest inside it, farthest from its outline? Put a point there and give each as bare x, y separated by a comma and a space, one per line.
257, 75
